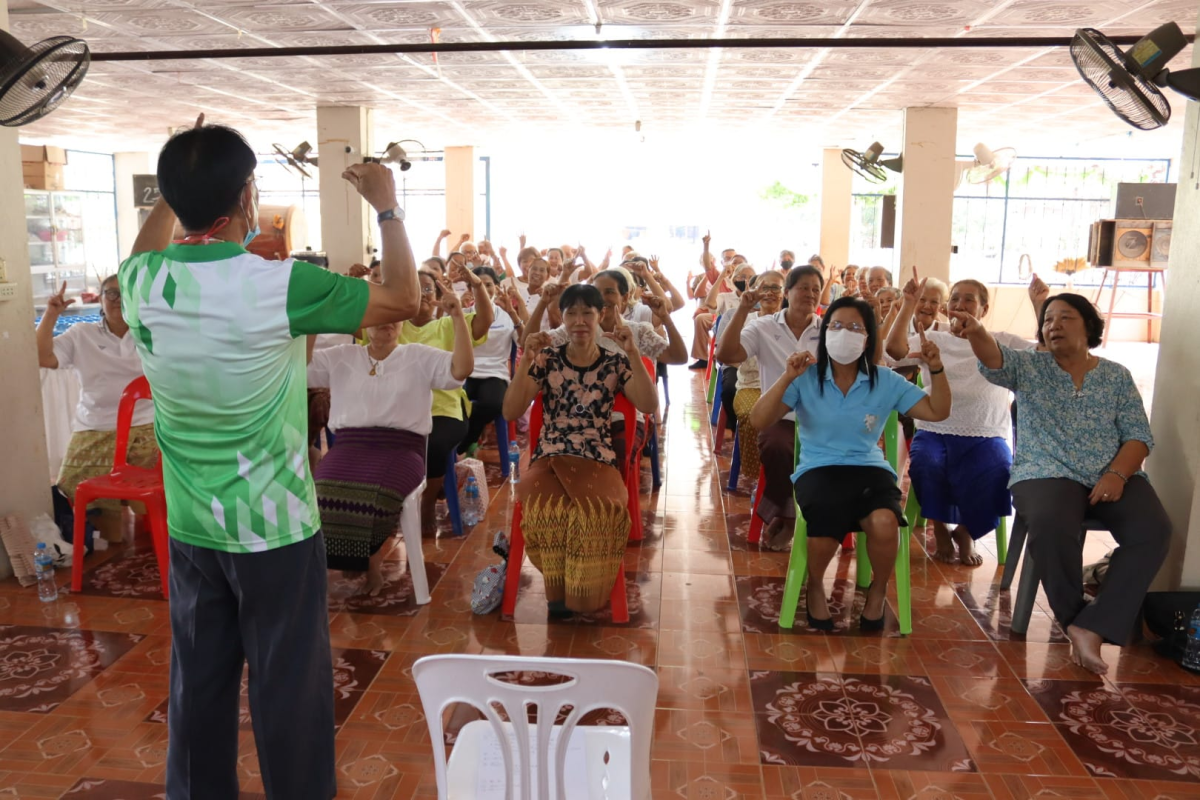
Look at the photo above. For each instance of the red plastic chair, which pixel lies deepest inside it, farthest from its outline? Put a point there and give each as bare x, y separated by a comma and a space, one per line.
633, 469
516, 551
125, 482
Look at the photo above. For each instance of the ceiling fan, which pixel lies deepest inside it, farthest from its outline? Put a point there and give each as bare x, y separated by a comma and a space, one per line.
297, 158
36, 80
1129, 82
869, 165
988, 165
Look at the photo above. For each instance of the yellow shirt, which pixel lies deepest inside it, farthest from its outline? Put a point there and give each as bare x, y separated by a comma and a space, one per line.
439, 333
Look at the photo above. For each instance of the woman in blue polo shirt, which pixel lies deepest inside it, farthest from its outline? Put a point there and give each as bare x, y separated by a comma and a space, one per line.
843, 482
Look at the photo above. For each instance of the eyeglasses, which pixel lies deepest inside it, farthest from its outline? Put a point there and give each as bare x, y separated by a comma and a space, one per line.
857, 327
112, 294
770, 289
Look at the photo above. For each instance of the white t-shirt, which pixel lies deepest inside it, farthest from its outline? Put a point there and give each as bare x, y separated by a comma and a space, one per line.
727, 301
106, 365
399, 394
980, 408
640, 312
770, 340
491, 357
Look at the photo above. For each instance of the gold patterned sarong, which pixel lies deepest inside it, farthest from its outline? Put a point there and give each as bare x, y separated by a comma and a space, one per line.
90, 455
743, 402
575, 520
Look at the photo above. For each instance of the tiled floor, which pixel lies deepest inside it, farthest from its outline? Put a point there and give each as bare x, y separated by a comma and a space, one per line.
960, 709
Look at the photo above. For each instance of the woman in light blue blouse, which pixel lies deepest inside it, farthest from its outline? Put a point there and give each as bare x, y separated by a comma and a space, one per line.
842, 482
1082, 435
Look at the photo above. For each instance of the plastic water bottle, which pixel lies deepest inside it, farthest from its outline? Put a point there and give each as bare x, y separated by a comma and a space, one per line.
514, 462
44, 564
1191, 656
471, 514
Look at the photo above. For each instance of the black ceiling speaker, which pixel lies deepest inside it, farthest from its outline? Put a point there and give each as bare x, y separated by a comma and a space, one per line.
1129, 82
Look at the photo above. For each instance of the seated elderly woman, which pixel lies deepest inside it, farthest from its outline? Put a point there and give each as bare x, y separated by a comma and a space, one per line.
574, 505
489, 380
380, 397
842, 481
959, 467
929, 312
771, 339
769, 288
1082, 435
106, 361
737, 279
449, 416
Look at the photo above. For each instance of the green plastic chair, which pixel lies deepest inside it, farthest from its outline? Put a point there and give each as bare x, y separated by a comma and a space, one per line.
797, 571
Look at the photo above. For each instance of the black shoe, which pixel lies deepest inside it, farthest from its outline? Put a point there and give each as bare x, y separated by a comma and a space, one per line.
558, 610
819, 624
700, 364
872, 625
867, 624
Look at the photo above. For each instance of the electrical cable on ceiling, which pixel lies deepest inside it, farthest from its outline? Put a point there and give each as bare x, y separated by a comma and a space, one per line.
997, 42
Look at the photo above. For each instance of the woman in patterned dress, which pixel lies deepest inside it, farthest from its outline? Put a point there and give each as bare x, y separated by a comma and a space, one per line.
1082, 435
574, 504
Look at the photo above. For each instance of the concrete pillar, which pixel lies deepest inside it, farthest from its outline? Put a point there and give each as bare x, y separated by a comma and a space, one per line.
1173, 466
125, 166
460, 193
925, 206
836, 204
24, 489
347, 223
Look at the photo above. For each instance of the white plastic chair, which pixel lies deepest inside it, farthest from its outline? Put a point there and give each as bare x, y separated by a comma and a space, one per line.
410, 526
605, 763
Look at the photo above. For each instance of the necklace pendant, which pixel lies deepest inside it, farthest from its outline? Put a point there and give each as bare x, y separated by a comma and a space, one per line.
372, 370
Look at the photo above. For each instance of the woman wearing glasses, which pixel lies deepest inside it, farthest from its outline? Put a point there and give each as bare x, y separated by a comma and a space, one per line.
842, 481
449, 419
769, 288
772, 339
103, 355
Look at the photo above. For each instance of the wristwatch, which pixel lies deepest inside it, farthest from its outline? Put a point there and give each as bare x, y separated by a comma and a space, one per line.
396, 213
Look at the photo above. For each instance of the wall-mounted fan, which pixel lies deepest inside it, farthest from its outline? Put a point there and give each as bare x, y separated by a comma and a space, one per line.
869, 165
297, 158
1129, 82
36, 80
988, 165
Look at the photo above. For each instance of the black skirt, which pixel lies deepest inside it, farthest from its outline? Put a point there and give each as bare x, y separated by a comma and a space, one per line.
835, 500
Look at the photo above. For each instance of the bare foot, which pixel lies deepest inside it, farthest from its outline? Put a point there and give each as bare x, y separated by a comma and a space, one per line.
1085, 649
966, 547
945, 551
374, 585
777, 537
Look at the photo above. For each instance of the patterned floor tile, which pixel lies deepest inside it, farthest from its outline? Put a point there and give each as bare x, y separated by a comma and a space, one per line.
103, 789
1142, 752
396, 599
353, 672
1147, 790
42, 667
906, 785
1028, 787
979, 698
819, 783
1029, 748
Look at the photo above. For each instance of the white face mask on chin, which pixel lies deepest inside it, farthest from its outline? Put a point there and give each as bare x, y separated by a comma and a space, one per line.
845, 346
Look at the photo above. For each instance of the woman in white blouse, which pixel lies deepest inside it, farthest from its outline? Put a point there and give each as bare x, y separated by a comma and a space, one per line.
104, 356
960, 466
379, 410
489, 380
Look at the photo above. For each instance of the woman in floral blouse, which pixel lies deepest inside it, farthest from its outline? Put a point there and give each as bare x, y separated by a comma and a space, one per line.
574, 512
1082, 435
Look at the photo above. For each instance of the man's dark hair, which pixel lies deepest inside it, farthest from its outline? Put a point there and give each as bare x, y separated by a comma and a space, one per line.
866, 362
1092, 321
795, 274
201, 174
581, 294
491, 273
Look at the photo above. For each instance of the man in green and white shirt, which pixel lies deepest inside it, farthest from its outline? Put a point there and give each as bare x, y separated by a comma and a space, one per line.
220, 333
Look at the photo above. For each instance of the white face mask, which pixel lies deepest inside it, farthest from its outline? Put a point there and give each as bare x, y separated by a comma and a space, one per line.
845, 346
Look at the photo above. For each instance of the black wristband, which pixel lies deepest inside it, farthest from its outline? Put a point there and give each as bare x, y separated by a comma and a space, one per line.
937, 371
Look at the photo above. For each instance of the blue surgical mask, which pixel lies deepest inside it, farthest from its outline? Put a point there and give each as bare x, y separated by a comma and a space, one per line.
253, 233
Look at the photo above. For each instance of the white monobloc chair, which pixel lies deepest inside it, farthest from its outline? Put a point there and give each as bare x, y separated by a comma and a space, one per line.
605, 763
410, 526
